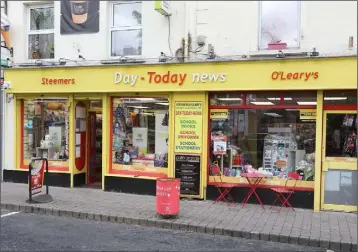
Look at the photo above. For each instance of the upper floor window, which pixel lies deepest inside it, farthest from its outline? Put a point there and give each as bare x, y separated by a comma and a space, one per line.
41, 32
280, 24
126, 28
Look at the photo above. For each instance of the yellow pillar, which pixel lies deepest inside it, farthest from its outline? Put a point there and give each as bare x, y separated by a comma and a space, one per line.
71, 137
105, 136
318, 152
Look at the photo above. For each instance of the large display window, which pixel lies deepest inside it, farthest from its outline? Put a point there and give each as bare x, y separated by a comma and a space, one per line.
140, 131
272, 133
45, 131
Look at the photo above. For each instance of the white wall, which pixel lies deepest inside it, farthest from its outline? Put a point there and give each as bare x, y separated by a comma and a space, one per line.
233, 27
96, 46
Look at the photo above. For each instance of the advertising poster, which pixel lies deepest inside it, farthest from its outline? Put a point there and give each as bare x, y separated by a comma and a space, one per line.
220, 145
79, 16
188, 127
161, 133
37, 176
140, 139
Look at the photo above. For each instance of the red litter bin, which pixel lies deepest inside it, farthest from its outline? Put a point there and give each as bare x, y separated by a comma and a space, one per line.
168, 197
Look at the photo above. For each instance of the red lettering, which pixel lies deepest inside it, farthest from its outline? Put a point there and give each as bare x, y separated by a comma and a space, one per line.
150, 76
55, 81
73, 81
315, 75
289, 76
65, 81
50, 81
166, 77
157, 78
282, 77
274, 75
43, 81
46, 81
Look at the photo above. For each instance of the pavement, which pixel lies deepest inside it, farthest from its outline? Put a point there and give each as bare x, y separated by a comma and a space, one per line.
33, 232
331, 230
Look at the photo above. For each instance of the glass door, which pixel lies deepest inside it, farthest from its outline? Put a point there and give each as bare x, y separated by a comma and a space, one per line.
339, 167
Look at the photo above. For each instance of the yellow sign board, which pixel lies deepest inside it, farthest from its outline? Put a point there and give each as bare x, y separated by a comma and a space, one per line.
290, 74
308, 114
188, 127
219, 114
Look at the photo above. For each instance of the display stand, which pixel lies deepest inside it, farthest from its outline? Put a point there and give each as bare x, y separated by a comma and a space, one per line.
43, 198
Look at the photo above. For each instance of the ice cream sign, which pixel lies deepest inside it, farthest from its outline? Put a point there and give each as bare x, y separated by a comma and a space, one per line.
169, 78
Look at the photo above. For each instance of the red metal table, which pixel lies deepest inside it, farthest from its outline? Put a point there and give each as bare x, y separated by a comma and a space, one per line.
257, 178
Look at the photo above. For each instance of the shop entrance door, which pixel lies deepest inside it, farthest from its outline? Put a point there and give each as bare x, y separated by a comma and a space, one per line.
91, 148
339, 167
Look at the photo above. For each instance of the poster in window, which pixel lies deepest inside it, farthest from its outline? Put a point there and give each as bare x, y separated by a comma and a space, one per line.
79, 16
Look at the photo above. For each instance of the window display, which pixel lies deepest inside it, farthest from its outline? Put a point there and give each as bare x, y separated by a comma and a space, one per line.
272, 141
140, 135
341, 135
45, 129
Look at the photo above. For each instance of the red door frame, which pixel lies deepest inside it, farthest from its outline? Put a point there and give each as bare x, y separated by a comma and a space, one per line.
91, 147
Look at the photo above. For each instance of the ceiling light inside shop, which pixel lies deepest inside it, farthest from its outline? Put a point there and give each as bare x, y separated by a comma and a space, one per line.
335, 98
163, 103
292, 109
144, 99
229, 99
278, 99
262, 103
273, 114
139, 107
307, 103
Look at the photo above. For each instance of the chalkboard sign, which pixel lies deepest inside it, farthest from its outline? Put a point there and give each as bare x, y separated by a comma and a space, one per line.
187, 168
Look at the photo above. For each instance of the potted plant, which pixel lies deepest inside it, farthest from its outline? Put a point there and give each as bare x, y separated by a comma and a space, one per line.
275, 41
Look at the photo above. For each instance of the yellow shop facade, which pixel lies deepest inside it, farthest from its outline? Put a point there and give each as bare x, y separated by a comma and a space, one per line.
122, 127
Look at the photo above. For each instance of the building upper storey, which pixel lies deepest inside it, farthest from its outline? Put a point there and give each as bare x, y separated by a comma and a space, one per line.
87, 32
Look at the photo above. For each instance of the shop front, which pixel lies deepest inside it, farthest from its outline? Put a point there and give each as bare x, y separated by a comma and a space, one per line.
122, 127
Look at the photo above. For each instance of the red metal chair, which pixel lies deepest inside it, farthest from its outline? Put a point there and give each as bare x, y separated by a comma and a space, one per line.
223, 187
284, 194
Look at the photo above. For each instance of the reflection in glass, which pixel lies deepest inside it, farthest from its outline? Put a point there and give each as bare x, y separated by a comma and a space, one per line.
46, 128
140, 132
226, 99
41, 46
341, 135
263, 99
280, 23
127, 14
340, 97
41, 19
126, 42
274, 140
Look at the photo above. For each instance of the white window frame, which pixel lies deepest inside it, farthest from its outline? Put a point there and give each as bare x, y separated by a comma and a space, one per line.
122, 28
299, 26
32, 32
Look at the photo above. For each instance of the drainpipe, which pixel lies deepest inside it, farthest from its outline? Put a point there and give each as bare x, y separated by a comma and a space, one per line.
1, 127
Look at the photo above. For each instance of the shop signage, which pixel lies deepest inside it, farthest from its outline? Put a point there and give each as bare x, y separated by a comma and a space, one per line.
187, 169
281, 75
169, 78
56, 81
163, 7
220, 144
37, 176
219, 114
307, 114
188, 127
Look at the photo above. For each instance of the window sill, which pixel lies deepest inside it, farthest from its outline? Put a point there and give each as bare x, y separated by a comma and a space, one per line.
293, 52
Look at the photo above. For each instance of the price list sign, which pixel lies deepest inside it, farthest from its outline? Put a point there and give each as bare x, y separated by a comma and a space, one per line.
187, 168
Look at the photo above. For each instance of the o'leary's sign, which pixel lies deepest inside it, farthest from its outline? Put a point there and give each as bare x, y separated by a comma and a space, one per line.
169, 78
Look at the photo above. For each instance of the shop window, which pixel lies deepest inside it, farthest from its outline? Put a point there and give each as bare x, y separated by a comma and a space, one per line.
340, 97
300, 98
263, 99
226, 99
45, 130
126, 28
140, 136
274, 141
280, 24
341, 135
41, 43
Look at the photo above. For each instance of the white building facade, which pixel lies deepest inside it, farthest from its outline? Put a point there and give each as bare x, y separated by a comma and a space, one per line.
136, 29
